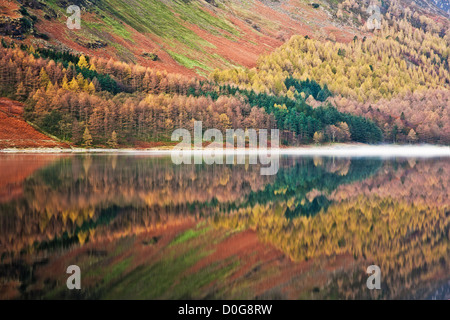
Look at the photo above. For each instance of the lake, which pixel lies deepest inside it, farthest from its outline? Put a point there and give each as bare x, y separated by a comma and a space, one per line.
139, 226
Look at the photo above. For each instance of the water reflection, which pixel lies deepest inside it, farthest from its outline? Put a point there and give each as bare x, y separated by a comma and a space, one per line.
141, 227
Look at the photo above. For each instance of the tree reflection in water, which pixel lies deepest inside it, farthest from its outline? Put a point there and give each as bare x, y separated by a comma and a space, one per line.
141, 227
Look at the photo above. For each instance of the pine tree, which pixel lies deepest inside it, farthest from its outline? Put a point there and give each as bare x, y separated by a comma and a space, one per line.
394, 133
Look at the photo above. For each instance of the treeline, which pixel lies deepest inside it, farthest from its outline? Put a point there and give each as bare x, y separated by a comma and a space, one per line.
104, 102
65, 103
422, 116
95, 119
300, 122
107, 75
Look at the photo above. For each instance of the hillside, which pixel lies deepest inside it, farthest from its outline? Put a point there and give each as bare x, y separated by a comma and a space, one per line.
399, 77
137, 70
15, 132
189, 37
185, 36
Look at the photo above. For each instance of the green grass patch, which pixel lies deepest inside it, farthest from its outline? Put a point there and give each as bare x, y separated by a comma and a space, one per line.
188, 62
116, 270
117, 28
189, 234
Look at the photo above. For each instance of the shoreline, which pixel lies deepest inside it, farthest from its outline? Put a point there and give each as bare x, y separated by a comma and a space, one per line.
339, 150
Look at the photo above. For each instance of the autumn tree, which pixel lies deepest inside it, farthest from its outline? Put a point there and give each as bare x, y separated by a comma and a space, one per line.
318, 137
412, 136
112, 142
82, 62
21, 92
87, 138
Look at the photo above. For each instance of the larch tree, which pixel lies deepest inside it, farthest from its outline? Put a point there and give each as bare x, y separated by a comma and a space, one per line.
82, 62
21, 92
87, 138
113, 142
412, 136
318, 137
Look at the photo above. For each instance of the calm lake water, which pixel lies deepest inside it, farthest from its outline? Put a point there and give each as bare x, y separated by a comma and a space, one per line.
139, 226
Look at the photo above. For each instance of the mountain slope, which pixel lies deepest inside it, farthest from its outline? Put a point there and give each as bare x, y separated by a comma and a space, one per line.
187, 36
398, 77
320, 85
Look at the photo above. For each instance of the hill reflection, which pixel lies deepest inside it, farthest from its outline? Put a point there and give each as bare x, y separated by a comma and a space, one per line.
338, 214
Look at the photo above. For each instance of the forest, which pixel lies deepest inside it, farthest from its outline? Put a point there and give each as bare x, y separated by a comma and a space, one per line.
398, 77
392, 87
108, 103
